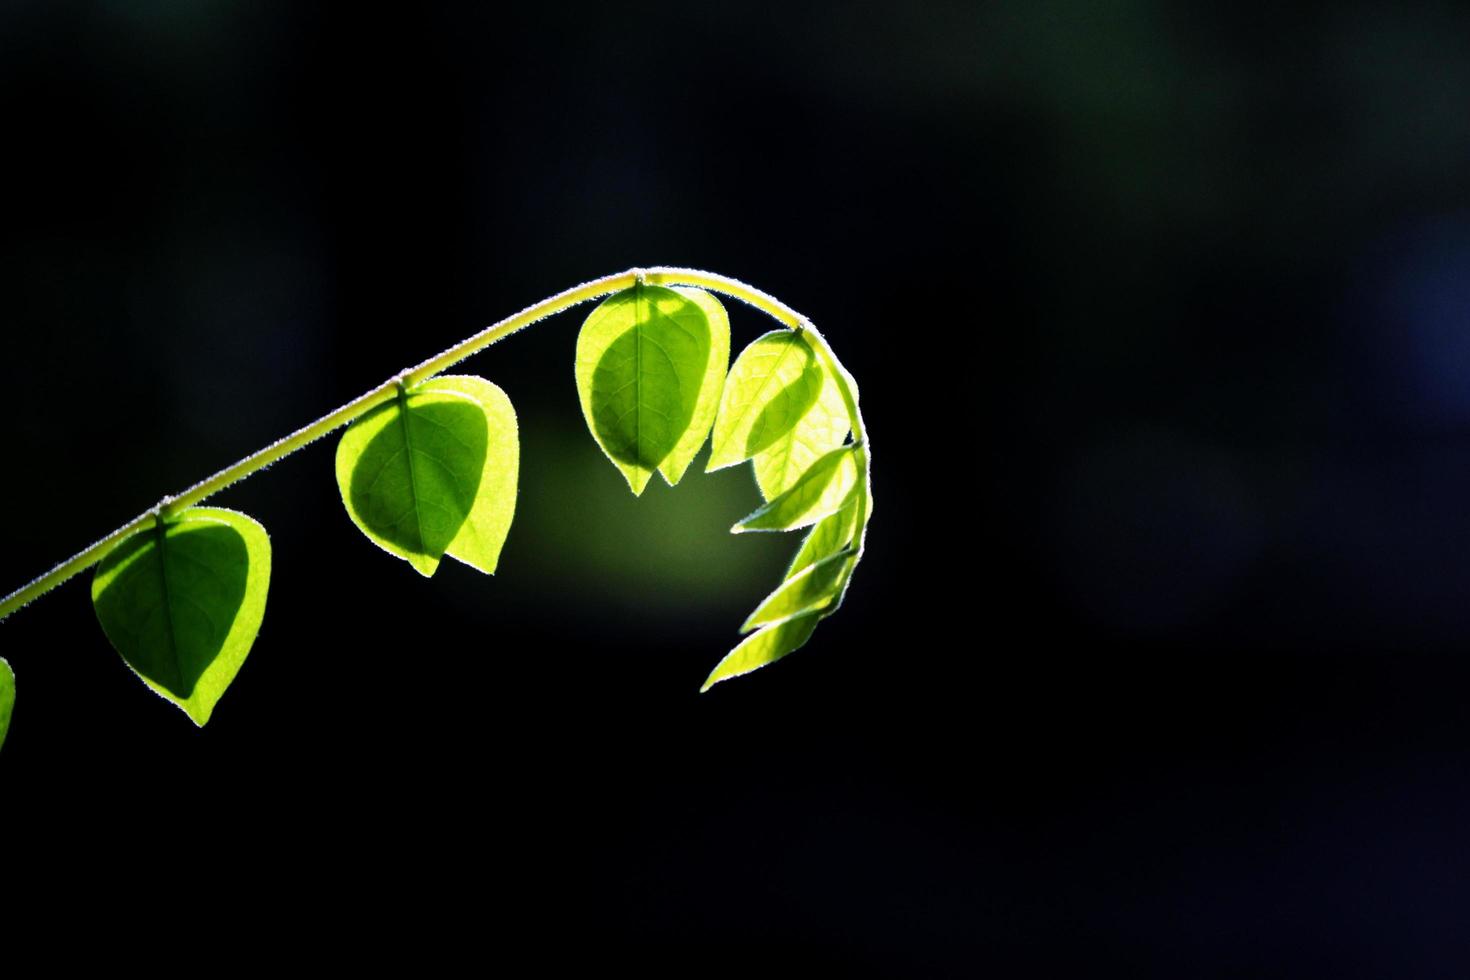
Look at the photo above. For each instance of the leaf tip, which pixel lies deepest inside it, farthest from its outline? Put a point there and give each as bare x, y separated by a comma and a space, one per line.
672, 472
484, 564
637, 478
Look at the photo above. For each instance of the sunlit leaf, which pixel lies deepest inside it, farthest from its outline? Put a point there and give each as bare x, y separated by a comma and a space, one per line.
761, 648
434, 471
821, 490
830, 360
811, 590
710, 386
822, 428
182, 602
771, 386
409, 472
7, 698
827, 537
483, 533
642, 358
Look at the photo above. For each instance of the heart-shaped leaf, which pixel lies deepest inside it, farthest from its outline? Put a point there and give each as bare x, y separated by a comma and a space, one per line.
434, 472
483, 533
643, 360
183, 600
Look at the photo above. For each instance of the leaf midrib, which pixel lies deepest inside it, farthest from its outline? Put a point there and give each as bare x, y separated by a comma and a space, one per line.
638, 375
413, 479
168, 613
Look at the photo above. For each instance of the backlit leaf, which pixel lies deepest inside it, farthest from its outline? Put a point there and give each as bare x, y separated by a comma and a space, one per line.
482, 535
821, 490
827, 537
642, 360
822, 428
710, 386
182, 602
763, 647
772, 385
830, 361
810, 590
409, 471
7, 698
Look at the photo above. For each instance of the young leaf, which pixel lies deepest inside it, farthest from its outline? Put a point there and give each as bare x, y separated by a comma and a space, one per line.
822, 428
182, 602
827, 537
710, 387
642, 357
764, 647
810, 590
482, 535
820, 491
7, 698
773, 383
409, 472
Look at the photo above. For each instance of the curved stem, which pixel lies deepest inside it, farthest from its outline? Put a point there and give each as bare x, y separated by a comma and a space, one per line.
361, 405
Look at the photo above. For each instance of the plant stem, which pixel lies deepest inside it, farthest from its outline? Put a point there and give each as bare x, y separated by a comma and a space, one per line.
361, 405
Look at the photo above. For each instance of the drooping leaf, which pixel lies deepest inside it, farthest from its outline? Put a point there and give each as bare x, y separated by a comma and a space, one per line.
827, 537
810, 590
483, 533
710, 386
834, 533
822, 428
182, 602
831, 362
642, 357
821, 490
761, 648
7, 698
409, 472
772, 384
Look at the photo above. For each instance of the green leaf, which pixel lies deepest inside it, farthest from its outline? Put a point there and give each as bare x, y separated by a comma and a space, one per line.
764, 647
483, 533
816, 339
832, 534
642, 360
772, 385
827, 537
810, 590
820, 491
822, 428
410, 471
710, 386
182, 603
7, 698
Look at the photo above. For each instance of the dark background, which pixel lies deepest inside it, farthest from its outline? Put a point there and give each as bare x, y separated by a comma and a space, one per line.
1158, 661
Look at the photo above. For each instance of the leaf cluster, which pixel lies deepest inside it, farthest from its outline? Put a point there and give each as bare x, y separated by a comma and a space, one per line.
433, 471
652, 368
